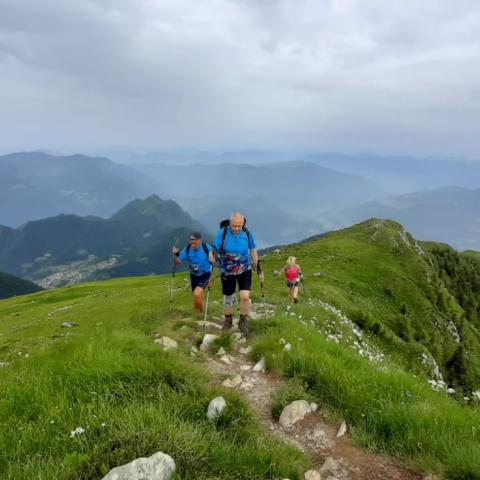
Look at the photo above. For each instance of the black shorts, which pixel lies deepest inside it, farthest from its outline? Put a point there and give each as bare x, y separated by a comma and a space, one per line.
201, 281
229, 282
293, 284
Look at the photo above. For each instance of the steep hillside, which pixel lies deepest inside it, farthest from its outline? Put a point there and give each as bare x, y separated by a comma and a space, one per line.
388, 285
67, 248
11, 286
461, 274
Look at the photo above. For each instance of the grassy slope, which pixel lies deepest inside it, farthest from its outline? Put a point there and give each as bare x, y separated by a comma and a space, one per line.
108, 370
375, 274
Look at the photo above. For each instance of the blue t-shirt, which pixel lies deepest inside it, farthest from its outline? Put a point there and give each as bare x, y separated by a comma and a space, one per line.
197, 259
236, 251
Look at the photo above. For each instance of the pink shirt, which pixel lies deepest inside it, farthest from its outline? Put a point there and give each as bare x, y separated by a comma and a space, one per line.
291, 273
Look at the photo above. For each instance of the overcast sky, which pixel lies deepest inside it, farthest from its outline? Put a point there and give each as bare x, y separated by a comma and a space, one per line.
349, 76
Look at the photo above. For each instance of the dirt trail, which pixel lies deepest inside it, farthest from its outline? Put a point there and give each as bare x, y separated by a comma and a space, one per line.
339, 457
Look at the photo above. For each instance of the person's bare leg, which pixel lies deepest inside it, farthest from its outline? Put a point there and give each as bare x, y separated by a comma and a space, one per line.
244, 302
290, 294
244, 308
198, 299
295, 294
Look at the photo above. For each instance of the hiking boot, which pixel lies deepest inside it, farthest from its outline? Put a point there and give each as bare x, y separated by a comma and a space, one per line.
227, 324
242, 324
295, 300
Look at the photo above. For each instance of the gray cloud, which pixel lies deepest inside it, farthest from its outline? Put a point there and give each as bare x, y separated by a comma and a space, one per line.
349, 75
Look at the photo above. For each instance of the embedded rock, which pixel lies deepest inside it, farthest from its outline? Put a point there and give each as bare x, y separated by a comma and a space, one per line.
216, 407
159, 466
294, 412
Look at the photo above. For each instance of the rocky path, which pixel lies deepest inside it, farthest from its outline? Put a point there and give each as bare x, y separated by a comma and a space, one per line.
334, 455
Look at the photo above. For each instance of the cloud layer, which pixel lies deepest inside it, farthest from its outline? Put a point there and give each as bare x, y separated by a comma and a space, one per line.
344, 75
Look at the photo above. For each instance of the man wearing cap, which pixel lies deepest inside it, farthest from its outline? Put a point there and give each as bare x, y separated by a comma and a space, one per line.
200, 258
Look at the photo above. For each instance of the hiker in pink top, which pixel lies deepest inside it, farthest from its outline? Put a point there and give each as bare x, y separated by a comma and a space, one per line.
293, 273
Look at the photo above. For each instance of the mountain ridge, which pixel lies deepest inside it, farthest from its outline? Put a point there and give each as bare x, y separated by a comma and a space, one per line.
38, 249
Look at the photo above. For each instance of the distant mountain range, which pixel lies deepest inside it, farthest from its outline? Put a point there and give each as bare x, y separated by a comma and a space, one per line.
11, 286
69, 248
402, 174
294, 186
284, 201
292, 196
252, 157
36, 185
450, 215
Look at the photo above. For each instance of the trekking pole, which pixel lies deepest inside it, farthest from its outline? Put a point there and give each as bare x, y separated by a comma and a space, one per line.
259, 271
206, 303
305, 292
303, 286
173, 277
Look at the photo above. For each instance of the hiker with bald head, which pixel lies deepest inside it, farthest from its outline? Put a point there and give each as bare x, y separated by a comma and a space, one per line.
200, 258
238, 256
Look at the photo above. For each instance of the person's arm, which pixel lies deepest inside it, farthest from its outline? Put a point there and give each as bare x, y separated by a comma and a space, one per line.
176, 253
279, 271
254, 255
255, 260
253, 250
211, 256
178, 256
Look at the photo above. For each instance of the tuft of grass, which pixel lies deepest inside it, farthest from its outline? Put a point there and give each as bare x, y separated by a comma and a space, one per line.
225, 341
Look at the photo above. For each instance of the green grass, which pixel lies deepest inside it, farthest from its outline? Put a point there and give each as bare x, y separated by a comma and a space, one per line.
390, 290
375, 274
389, 409
108, 370
108, 377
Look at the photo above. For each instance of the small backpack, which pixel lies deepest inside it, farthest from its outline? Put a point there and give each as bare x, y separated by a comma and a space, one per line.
225, 224
204, 246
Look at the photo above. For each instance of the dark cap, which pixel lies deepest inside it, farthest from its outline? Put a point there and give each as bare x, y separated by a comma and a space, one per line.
195, 236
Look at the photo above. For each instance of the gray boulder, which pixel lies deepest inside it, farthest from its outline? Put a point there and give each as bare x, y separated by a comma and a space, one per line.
216, 407
342, 430
294, 412
260, 365
159, 466
167, 343
69, 324
208, 339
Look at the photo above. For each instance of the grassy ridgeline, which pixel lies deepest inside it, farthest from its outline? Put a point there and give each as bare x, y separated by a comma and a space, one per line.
109, 378
378, 276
